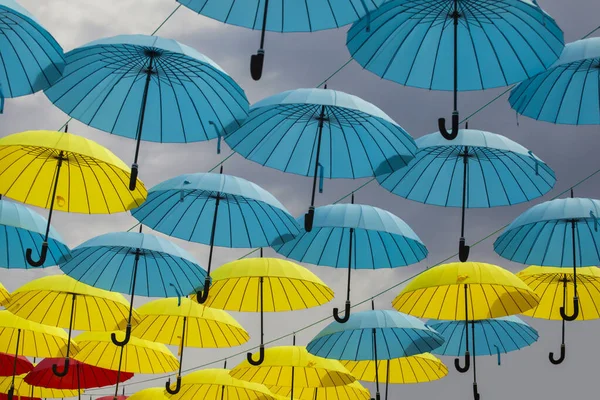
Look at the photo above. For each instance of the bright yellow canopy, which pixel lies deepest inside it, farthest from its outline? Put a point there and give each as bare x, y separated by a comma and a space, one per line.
92, 179
162, 322
139, 356
353, 391
287, 286
4, 295
149, 394
49, 301
36, 340
416, 369
438, 293
22, 389
309, 371
218, 384
548, 283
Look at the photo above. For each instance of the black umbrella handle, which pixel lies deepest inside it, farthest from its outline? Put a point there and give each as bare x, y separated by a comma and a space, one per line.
463, 250
309, 218
133, 177
475, 391
177, 386
442, 127
121, 343
202, 296
10, 393
43, 256
575, 314
561, 358
336, 313
460, 368
261, 357
65, 370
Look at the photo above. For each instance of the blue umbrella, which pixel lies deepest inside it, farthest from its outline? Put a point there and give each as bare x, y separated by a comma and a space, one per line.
489, 337
493, 43
320, 132
148, 88
30, 58
499, 172
135, 264
558, 233
21, 229
282, 16
355, 236
398, 335
185, 206
566, 93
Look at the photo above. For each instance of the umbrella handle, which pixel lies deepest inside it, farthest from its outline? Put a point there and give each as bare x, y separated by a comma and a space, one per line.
261, 357
464, 369
575, 314
117, 342
256, 64
561, 358
43, 255
202, 296
475, 391
64, 371
463, 250
442, 127
336, 314
177, 386
309, 217
133, 177
10, 393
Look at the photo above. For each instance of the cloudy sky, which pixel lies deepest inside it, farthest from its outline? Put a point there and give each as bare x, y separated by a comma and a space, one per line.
304, 60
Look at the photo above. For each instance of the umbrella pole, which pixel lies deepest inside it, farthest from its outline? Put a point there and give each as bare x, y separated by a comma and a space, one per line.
475, 391
387, 378
44, 252
178, 384
575, 314
457, 365
11, 391
377, 395
77, 367
119, 373
113, 336
257, 60
336, 311
463, 249
201, 297
261, 354
149, 71
309, 217
561, 358
65, 370
442, 121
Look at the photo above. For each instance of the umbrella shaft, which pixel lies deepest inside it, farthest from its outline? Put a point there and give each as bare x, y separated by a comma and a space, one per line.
264, 25
464, 191
262, 332
56, 175
12, 385
375, 359
182, 344
474, 353
455, 16
213, 232
349, 265
387, 378
466, 318
319, 137
573, 232
138, 136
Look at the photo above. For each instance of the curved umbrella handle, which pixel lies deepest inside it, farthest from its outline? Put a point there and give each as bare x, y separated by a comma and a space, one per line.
117, 342
202, 296
256, 64
336, 314
475, 391
261, 357
575, 314
43, 255
65, 370
309, 218
442, 127
463, 250
464, 369
561, 358
133, 177
177, 386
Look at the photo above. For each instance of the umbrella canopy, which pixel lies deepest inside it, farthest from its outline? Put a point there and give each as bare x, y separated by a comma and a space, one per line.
22, 389
415, 369
4, 295
7, 362
567, 92
149, 394
355, 236
353, 391
218, 384
148, 88
30, 58
139, 356
266, 285
294, 366
21, 228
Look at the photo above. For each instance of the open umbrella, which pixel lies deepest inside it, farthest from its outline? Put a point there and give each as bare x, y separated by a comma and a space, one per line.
7, 362
556, 233
148, 88
493, 43
21, 228
217, 210
30, 58
567, 92
489, 337
282, 16
149, 394
322, 134
185, 323
489, 292
398, 335
21, 389
355, 236
61, 301
68, 172
554, 285
477, 169
266, 285
353, 391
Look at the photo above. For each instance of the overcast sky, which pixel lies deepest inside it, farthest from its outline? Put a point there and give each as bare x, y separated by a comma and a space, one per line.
304, 60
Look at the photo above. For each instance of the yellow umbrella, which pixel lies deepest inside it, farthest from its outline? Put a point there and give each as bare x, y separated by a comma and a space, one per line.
61, 301
554, 285
218, 384
185, 323
59, 170
353, 391
489, 292
266, 285
149, 394
4, 295
23, 389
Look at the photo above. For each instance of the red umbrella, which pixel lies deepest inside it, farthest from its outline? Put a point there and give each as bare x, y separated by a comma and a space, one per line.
7, 363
